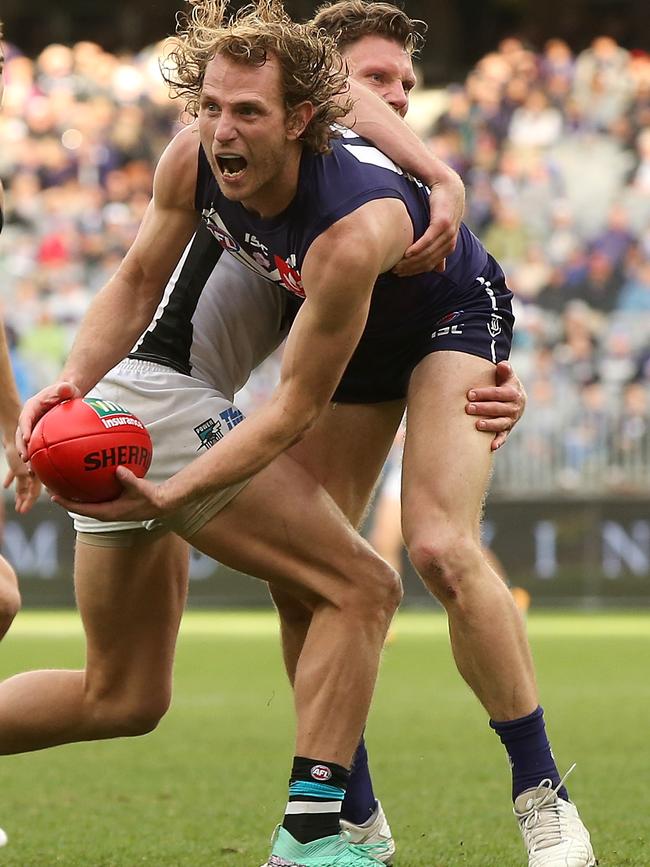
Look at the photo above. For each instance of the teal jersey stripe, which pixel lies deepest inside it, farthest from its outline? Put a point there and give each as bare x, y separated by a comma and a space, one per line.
316, 790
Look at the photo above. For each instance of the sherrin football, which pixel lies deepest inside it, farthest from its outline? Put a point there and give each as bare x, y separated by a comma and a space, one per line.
76, 446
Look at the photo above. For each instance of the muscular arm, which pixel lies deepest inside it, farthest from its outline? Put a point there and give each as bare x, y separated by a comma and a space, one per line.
124, 307
321, 341
374, 120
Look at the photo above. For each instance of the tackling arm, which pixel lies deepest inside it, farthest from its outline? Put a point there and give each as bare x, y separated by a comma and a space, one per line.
374, 120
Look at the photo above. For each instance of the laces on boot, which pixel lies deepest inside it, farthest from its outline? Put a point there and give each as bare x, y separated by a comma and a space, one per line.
366, 850
541, 821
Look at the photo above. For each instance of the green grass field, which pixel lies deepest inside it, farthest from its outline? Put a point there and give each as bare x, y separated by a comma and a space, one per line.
208, 786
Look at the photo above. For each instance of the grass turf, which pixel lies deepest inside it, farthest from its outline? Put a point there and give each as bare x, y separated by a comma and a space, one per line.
207, 787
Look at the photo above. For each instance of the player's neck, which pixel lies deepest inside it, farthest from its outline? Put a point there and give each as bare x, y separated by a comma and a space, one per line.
275, 196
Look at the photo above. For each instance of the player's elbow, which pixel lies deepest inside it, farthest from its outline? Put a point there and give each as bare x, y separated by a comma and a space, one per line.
299, 417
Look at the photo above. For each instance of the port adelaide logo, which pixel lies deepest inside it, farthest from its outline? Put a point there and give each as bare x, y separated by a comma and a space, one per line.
210, 431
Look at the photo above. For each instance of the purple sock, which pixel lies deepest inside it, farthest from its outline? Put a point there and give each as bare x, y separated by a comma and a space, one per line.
530, 753
359, 803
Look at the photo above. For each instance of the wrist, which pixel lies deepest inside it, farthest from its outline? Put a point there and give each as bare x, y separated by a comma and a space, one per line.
441, 174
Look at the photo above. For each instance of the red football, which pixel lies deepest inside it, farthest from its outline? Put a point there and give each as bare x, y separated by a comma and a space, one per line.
76, 446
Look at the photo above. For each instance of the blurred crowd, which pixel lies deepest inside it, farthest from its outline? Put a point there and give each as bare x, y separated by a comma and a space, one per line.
554, 149
553, 146
81, 132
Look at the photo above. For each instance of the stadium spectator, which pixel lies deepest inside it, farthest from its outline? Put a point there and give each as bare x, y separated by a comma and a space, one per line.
635, 292
59, 157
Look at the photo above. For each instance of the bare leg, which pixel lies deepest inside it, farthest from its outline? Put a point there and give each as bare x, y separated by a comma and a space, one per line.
306, 547
9, 596
447, 465
131, 601
345, 452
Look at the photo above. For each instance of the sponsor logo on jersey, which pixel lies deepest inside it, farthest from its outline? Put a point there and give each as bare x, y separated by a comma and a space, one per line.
494, 325
232, 416
115, 456
209, 432
443, 328
253, 255
289, 276
321, 773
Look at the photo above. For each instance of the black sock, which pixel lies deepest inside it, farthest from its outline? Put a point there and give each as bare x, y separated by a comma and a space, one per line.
316, 792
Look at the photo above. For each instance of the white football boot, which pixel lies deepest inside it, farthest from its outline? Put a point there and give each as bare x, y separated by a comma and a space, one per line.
553, 832
375, 830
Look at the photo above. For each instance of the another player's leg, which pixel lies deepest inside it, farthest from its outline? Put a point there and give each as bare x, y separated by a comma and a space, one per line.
447, 464
9, 596
352, 595
131, 600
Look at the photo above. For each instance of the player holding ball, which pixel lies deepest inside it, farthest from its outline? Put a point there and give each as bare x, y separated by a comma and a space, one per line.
76, 447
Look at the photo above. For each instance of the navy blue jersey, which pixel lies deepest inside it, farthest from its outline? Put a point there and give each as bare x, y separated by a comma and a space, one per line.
465, 309
330, 187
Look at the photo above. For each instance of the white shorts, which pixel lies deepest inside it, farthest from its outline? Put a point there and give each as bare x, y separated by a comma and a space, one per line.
184, 417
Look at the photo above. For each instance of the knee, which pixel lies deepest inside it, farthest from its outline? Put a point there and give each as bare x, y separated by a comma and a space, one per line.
125, 715
447, 563
379, 592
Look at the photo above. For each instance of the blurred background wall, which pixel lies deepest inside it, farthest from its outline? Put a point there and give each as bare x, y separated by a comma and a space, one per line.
460, 30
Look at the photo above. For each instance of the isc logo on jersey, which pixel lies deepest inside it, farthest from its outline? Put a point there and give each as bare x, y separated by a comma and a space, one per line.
443, 326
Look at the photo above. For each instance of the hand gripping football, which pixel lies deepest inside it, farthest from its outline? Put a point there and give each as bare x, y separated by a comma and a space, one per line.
75, 448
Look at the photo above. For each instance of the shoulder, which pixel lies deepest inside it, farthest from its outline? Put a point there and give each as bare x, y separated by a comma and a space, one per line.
374, 235
176, 173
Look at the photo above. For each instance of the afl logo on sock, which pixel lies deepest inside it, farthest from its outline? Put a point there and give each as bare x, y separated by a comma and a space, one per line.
321, 773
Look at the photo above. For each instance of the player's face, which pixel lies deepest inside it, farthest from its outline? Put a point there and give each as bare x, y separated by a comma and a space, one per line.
249, 140
383, 66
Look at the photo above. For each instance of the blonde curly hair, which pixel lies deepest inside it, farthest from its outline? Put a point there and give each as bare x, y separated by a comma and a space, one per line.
312, 70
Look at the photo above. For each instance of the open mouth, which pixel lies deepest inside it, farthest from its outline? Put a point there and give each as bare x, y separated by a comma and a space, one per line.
231, 165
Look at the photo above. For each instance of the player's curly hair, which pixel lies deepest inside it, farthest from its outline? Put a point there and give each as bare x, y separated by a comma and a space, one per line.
1, 30
346, 21
312, 69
